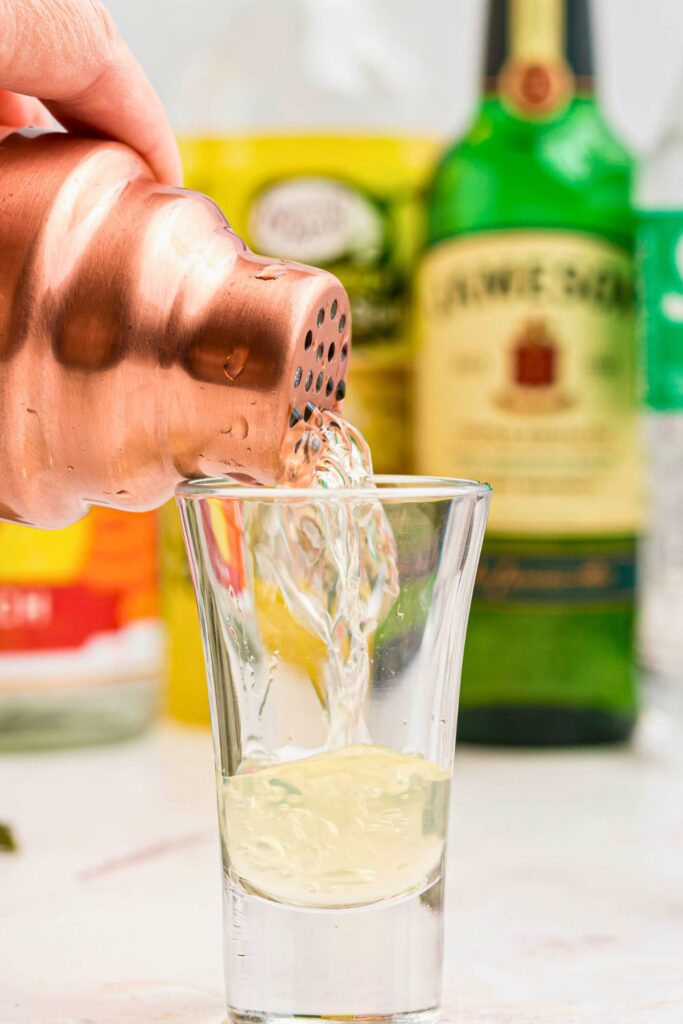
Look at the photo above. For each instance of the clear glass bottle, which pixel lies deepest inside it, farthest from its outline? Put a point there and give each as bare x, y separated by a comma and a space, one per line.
659, 202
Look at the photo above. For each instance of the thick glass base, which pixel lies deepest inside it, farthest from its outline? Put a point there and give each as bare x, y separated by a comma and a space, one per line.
421, 1017
63, 717
542, 726
286, 963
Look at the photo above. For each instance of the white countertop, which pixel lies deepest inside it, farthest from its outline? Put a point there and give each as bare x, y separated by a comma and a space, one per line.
564, 898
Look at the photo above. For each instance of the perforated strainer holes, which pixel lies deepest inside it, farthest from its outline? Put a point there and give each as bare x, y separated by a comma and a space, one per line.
321, 317
319, 382
344, 351
330, 352
298, 373
309, 340
333, 310
341, 390
330, 387
309, 380
342, 322
308, 411
319, 352
294, 417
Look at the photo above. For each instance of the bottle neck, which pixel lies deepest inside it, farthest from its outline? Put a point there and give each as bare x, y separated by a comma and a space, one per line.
539, 54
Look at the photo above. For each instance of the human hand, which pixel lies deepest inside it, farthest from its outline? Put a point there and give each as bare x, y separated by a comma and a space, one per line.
67, 58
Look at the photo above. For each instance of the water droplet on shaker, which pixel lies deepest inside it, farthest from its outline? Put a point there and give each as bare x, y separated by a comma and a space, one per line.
235, 362
240, 427
272, 272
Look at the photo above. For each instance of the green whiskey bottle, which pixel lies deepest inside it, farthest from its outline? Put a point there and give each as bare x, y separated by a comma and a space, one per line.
526, 379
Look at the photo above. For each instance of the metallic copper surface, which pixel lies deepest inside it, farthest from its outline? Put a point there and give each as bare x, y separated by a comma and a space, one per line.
140, 341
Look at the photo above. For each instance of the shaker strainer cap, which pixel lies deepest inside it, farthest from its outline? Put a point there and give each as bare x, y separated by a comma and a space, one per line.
279, 347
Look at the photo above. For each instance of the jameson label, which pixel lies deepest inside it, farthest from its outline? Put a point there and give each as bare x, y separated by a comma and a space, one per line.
527, 378
660, 251
536, 79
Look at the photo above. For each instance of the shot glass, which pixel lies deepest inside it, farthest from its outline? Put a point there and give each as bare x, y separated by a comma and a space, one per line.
333, 624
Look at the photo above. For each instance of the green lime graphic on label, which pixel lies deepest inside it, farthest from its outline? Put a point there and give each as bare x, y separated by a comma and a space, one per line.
660, 251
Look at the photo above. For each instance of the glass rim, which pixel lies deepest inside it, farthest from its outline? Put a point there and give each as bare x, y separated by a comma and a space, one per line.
398, 487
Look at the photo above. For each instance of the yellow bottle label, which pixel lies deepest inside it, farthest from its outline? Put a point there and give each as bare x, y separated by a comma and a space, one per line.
526, 378
186, 692
350, 204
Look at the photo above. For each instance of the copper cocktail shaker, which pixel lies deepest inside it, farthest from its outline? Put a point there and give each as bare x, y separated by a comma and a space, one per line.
141, 342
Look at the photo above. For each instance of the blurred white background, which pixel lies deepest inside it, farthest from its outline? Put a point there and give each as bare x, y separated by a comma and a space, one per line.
189, 47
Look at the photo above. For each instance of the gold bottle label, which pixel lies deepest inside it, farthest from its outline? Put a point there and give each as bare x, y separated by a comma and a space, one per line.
536, 79
526, 378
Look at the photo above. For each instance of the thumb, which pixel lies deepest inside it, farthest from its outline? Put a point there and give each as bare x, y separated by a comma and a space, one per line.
70, 55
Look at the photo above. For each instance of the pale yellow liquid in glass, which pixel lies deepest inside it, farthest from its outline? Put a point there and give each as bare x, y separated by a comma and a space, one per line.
349, 827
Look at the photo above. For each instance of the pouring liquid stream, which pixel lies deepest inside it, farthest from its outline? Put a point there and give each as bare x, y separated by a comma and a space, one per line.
354, 823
